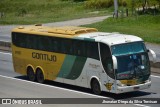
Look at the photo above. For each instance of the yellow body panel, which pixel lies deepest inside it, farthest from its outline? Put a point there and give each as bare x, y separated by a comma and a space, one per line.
49, 62
26, 57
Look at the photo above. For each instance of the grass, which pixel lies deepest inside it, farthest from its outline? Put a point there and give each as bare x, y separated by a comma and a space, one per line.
43, 11
145, 26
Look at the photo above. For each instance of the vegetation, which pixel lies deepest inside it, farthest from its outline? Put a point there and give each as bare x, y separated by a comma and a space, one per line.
43, 11
99, 4
142, 6
128, 3
144, 26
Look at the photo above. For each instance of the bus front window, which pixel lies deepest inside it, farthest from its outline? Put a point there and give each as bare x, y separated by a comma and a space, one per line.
132, 60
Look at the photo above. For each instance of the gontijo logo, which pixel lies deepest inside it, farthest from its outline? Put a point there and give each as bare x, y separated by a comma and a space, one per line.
45, 57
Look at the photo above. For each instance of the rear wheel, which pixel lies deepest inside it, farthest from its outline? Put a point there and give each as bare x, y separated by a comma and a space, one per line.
40, 76
95, 87
30, 74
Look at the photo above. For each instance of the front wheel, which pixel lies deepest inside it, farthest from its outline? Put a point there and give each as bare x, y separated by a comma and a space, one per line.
95, 87
40, 76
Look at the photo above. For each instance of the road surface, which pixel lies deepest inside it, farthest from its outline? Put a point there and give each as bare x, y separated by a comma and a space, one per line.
17, 86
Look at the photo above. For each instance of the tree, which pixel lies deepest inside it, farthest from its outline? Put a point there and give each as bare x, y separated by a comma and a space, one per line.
144, 5
116, 8
133, 5
138, 4
158, 2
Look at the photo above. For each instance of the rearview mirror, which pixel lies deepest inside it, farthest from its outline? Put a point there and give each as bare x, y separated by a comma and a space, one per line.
114, 62
153, 55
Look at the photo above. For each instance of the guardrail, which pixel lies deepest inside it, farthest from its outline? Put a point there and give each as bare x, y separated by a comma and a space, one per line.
6, 46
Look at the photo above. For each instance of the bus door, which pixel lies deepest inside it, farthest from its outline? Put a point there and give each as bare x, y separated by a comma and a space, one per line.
107, 74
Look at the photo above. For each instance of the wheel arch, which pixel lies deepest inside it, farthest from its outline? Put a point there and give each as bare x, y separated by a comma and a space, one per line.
39, 67
29, 66
95, 78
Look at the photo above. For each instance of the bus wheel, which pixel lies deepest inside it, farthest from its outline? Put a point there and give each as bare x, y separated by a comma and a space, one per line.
95, 87
30, 74
40, 76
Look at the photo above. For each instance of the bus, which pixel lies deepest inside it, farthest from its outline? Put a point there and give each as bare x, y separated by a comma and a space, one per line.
80, 56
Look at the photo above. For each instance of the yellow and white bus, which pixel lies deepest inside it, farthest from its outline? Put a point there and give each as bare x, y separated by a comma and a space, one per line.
84, 57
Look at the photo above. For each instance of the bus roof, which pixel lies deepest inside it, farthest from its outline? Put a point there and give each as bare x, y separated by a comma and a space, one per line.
79, 33
111, 38
66, 31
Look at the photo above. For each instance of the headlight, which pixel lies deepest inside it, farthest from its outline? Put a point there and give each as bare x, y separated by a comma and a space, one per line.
149, 79
120, 84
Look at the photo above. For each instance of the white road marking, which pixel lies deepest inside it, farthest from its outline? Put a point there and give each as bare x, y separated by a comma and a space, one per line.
54, 87
141, 105
6, 53
155, 76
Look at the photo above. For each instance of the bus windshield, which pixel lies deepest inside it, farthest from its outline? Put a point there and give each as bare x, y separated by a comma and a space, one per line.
132, 60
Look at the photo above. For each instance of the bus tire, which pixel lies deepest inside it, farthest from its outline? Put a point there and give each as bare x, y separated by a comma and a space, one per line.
95, 86
30, 74
39, 76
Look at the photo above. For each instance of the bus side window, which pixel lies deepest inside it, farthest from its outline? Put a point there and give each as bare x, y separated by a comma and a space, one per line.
49, 44
15, 39
19, 39
66, 46
22, 40
92, 50
56, 45
30, 41
79, 48
44, 43
34, 42
53, 45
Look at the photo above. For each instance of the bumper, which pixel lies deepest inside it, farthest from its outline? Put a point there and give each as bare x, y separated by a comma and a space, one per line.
123, 89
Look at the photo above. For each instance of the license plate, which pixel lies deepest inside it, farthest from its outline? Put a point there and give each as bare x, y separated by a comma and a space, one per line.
131, 82
136, 88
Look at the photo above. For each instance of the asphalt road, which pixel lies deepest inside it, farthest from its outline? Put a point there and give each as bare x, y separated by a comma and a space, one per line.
13, 85
14, 88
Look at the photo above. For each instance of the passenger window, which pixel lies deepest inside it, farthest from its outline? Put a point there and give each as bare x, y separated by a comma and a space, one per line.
92, 50
67, 46
43, 43
57, 45
79, 48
